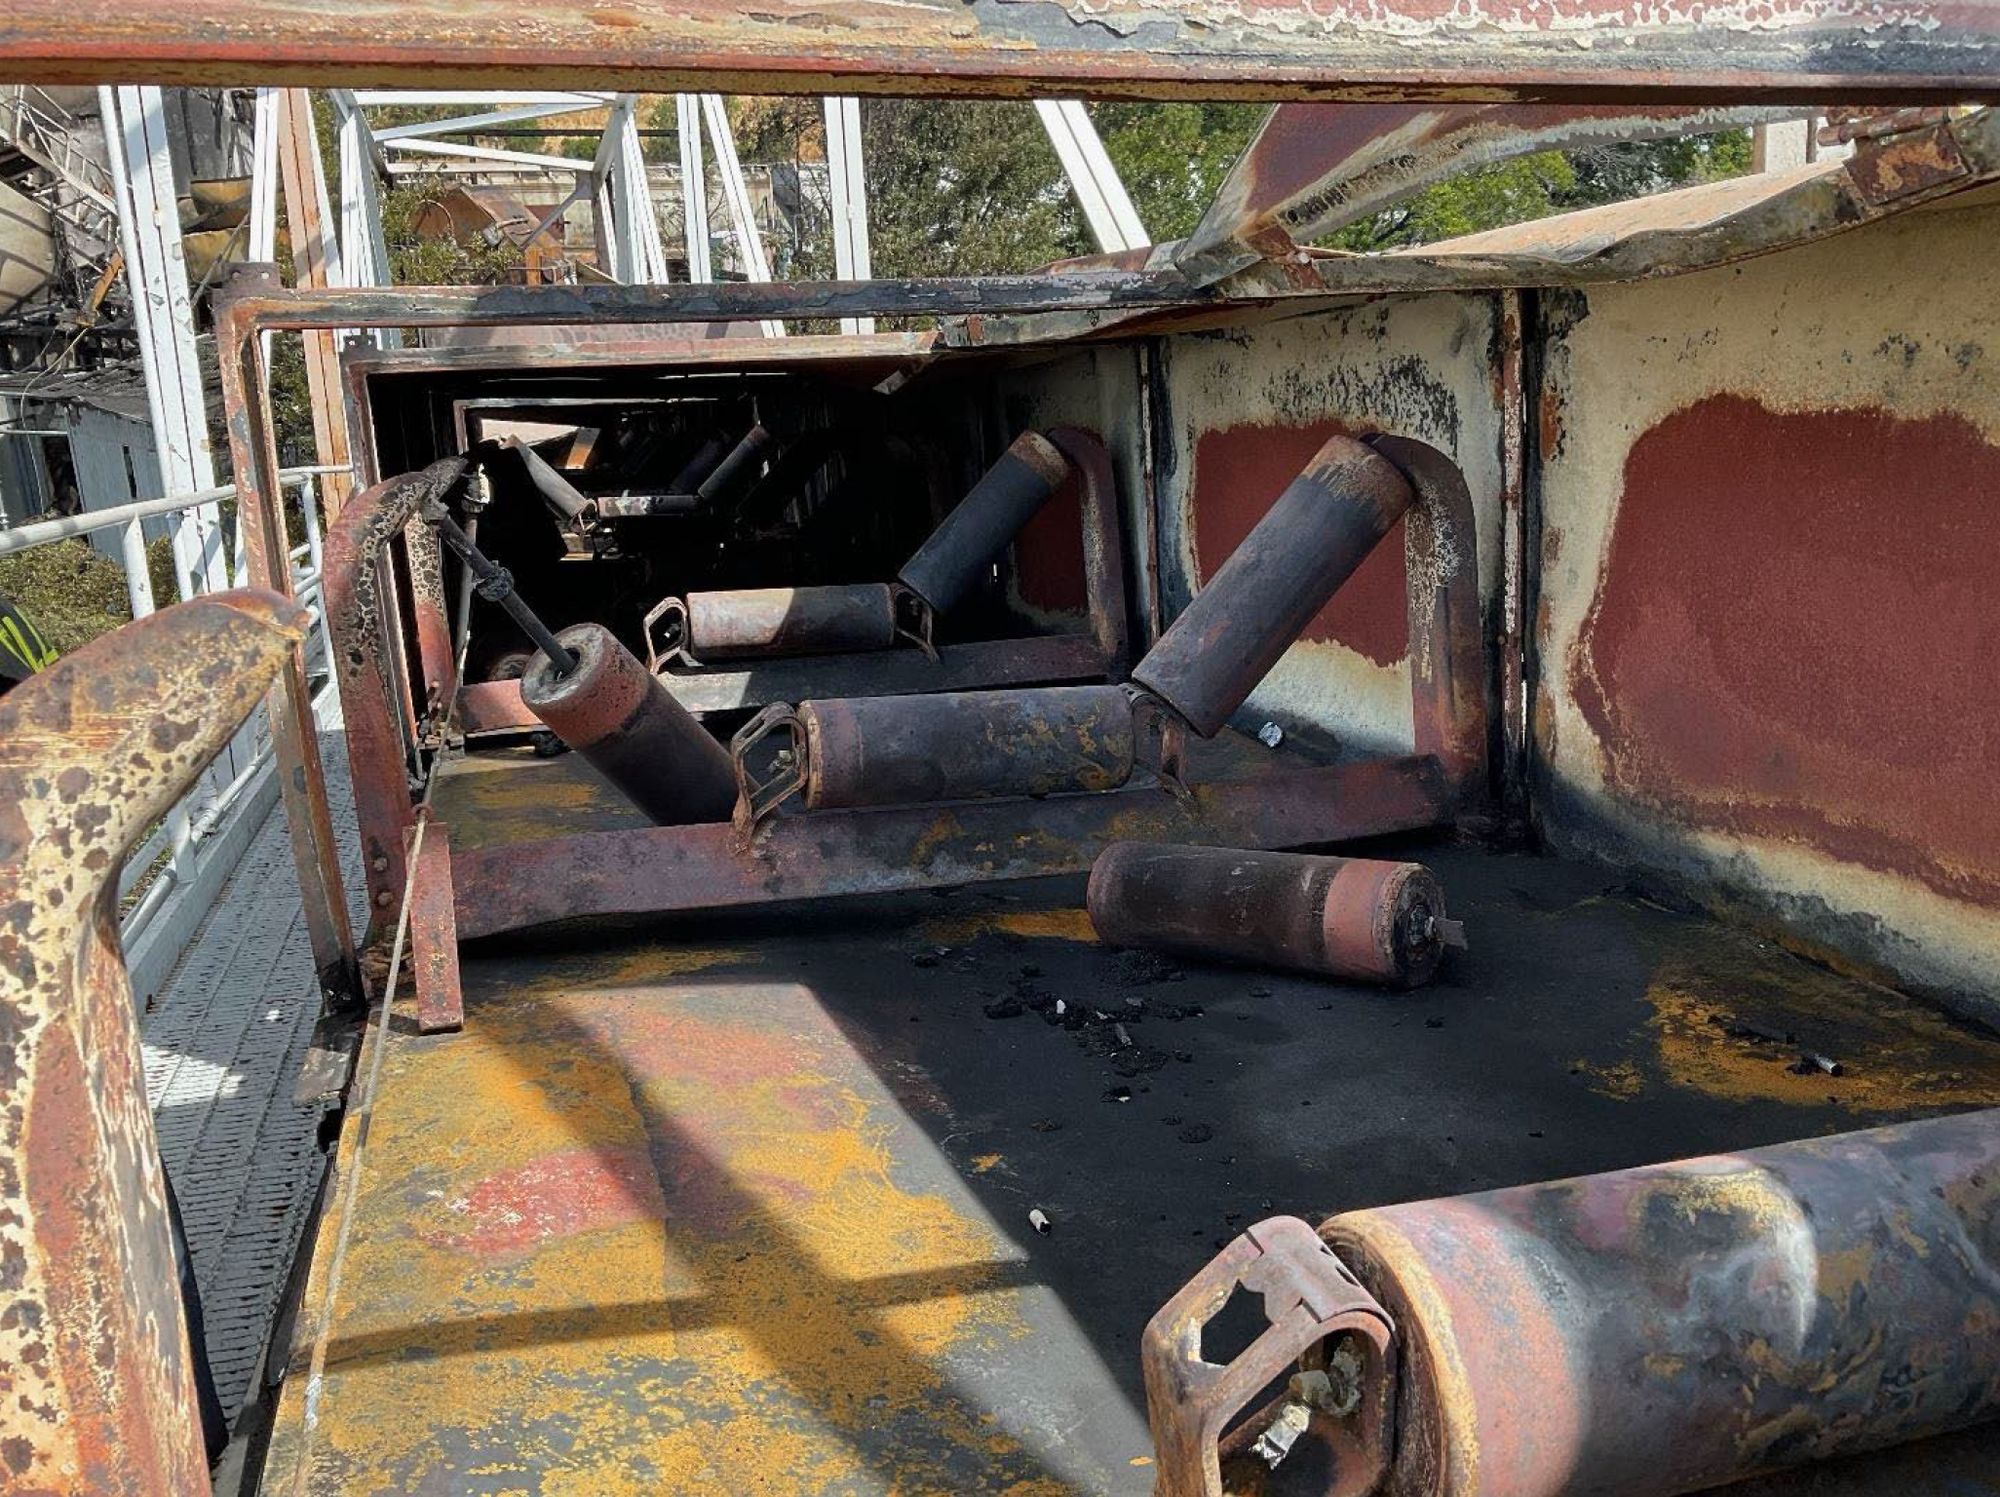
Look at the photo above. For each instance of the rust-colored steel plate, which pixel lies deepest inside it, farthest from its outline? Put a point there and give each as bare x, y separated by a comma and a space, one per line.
1837, 51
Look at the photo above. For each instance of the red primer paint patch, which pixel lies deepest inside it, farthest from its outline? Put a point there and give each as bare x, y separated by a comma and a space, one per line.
1048, 554
558, 1195
1795, 635
1239, 472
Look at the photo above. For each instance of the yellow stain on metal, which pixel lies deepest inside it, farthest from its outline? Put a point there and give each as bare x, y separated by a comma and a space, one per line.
1622, 1081
960, 930
1735, 1024
674, 1238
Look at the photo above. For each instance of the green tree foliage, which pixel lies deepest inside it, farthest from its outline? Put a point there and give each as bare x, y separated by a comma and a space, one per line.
1172, 157
68, 591
964, 188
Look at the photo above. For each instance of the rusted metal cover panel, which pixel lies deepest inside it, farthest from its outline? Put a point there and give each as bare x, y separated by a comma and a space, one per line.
1669, 1328
96, 1386
1766, 573
1315, 168
1480, 50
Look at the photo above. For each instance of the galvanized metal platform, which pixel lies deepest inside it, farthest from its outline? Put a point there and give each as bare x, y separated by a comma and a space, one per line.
740, 1204
223, 1041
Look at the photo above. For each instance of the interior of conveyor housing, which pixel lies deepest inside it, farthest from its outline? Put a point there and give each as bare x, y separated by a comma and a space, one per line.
751, 1200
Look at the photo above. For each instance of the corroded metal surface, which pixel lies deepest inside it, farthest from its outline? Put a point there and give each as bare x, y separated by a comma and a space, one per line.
354, 554
692, 1240
1321, 528
1361, 919
434, 935
1717, 550
96, 1388
1315, 168
1816, 50
913, 750
1317, 1315
615, 713
1664, 1329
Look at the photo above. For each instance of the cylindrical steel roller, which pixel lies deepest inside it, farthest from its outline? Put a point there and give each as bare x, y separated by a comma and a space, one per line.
702, 462
790, 620
736, 470
969, 745
1293, 560
619, 716
1666, 1329
1354, 918
949, 563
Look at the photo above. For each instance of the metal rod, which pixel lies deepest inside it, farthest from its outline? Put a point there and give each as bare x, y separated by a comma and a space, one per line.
497, 584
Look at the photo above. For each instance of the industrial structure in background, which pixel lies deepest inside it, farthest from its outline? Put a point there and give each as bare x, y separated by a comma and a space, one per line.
697, 700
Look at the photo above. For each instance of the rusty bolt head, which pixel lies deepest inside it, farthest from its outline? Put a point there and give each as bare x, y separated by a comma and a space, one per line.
383, 899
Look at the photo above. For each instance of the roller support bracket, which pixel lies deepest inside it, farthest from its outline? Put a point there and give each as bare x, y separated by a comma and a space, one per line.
1320, 1320
667, 609
1160, 735
916, 621
757, 800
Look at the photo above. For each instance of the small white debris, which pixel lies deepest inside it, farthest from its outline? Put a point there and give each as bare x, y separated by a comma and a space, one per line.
1270, 735
1061, 1008
1124, 1036
1040, 1222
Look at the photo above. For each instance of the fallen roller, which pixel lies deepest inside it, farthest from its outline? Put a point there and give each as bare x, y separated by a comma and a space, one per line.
742, 623
1649, 1332
1355, 918
600, 700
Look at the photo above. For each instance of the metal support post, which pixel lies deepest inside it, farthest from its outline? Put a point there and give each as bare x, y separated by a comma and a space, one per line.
1107, 207
163, 312
851, 260
749, 243
694, 188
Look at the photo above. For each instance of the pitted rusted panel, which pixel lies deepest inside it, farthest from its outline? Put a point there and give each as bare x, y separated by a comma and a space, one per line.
1315, 168
1843, 701
96, 1386
1664, 1329
1835, 51
354, 552
427, 602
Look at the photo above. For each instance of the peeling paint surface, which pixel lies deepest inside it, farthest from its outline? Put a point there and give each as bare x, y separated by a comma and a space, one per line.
1766, 585
672, 1234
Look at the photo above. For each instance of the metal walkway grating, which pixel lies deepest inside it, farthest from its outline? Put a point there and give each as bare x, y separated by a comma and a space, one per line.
224, 1039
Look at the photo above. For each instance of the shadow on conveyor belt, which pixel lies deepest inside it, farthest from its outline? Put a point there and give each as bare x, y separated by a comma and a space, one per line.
1584, 1030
